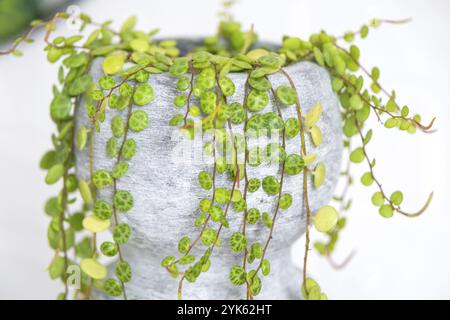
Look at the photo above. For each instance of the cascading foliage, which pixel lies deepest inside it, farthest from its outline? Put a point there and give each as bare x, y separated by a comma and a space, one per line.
130, 58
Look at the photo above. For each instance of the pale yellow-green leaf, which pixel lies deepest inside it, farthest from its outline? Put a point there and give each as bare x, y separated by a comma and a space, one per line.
316, 135
236, 196
326, 219
313, 115
82, 138
309, 158
139, 45
256, 54
314, 293
306, 287
128, 24
113, 64
85, 191
54, 173
319, 174
93, 224
93, 268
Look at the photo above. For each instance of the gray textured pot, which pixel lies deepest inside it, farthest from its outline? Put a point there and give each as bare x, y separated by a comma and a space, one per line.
166, 193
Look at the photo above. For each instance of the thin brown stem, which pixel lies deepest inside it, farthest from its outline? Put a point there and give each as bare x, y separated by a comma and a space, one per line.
343, 264
191, 89
180, 287
305, 176
91, 175
380, 187
386, 21
244, 222
115, 215
63, 233
417, 124
27, 35
192, 245
277, 208
101, 104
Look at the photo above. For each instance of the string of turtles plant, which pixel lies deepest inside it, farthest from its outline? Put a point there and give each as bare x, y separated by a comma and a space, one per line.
130, 57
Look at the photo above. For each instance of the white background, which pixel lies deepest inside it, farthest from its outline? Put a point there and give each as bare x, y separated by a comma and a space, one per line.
397, 258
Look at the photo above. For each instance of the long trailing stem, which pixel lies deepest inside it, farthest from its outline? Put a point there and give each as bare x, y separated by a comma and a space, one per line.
343, 264
91, 175
115, 215
26, 37
244, 222
49, 25
303, 152
380, 187
62, 217
192, 245
381, 21
348, 182
343, 206
277, 207
191, 90
220, 96
417, 124
364, 70
238, 61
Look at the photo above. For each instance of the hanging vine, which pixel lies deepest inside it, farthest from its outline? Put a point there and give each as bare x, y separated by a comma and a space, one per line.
129, 58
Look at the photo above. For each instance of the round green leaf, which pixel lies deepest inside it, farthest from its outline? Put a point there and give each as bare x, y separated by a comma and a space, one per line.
386, 211
103, 210
257, 100
367, 179
326, 219
205, 180
138, 121
184, 244
102, 179
271, 185
121, 233
377, 199
319, 174
54, 173
113, 64
237, 242
294, 164
143, 94
93, 268
397, 198
237, 275
123, 200
60, 107
285, 201
109, 249
253, 215
129, 149
357, 155
112, 287
265, 267
123, 271
286, 95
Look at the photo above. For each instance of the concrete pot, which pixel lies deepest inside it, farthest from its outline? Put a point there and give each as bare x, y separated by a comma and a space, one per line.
166, 192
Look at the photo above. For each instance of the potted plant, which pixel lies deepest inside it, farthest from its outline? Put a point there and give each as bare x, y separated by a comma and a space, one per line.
205, 158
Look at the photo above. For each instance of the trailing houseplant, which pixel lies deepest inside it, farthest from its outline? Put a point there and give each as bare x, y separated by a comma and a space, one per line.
129, 58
